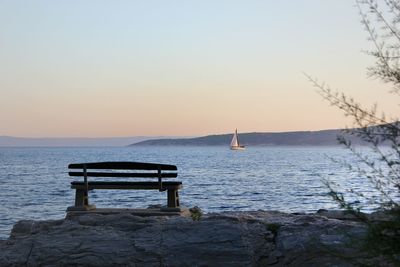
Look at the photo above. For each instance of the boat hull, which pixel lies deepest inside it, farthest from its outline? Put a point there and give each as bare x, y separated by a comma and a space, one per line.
238, 148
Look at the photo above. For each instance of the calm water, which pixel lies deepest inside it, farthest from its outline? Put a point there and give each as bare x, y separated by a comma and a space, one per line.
34, 183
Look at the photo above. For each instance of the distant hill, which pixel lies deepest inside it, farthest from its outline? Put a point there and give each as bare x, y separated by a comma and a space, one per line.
300, 138
10, 141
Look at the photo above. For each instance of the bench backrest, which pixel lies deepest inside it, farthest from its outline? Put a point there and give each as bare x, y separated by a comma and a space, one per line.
151, 170
127, 166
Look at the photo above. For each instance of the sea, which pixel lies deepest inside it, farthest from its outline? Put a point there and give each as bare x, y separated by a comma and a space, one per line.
34, 182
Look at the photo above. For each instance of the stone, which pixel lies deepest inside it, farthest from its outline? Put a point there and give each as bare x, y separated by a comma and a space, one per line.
254, 238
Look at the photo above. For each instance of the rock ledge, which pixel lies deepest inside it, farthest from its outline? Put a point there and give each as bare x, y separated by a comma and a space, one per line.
259, 238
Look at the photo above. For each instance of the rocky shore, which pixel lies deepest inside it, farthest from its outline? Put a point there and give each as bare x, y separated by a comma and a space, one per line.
259, 238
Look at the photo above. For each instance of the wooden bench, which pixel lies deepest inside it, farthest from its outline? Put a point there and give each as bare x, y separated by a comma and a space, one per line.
123, 170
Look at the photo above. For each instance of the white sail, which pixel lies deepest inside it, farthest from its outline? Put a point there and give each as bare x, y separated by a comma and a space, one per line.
235, 145
234, 141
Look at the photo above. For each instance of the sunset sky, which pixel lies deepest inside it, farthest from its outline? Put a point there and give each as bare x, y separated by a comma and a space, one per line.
180, 68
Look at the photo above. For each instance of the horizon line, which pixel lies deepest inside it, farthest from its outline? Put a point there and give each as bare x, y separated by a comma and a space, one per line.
158, 136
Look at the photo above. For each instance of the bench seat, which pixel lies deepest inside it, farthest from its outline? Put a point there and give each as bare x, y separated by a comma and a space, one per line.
127, 185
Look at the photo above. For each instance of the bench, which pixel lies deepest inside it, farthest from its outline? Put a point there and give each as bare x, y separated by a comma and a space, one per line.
123, 170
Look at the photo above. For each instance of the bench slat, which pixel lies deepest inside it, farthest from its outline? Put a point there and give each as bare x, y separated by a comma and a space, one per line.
127, 185
123, 175
123, 166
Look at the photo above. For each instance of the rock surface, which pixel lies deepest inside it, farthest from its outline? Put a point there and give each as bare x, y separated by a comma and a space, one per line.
258, 238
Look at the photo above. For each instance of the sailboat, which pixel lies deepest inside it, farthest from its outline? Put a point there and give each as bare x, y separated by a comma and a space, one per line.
235, 145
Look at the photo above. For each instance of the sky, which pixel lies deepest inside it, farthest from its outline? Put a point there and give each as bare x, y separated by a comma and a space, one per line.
179, 68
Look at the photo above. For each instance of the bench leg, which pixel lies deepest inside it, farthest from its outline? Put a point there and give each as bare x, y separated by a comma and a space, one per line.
81, 201
81, 198
173, 198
